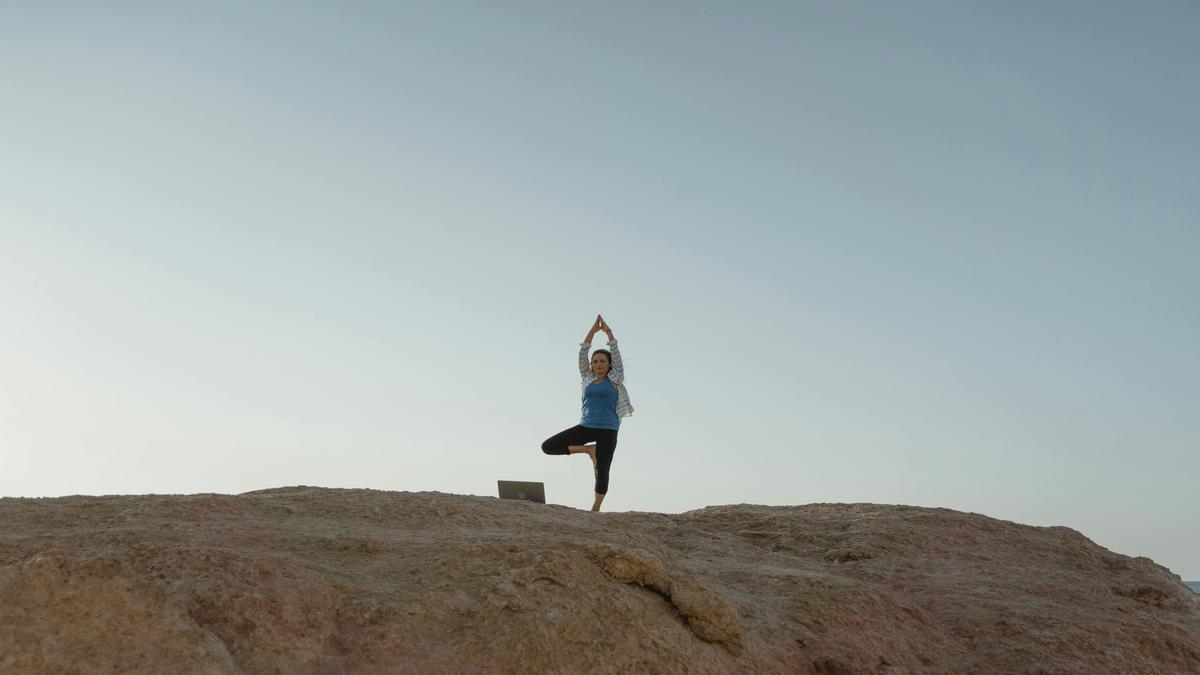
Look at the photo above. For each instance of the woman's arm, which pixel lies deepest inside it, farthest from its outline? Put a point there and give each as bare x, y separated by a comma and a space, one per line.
596, 328
584, 365
616, 370
583, 357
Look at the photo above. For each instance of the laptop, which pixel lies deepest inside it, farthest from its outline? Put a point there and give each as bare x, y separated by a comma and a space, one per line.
515, 489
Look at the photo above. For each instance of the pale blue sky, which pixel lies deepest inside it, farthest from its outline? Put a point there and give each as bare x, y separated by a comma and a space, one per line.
941, 254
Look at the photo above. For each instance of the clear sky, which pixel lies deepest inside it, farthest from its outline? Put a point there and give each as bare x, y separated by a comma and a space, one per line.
940, 253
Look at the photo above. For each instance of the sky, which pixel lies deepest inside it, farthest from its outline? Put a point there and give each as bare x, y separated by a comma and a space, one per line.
936, 253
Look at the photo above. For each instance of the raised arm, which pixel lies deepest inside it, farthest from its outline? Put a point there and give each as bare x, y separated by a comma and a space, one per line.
584, 362
583, 357
616, 371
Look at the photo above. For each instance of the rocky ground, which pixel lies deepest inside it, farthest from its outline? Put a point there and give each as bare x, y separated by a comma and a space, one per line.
315, 580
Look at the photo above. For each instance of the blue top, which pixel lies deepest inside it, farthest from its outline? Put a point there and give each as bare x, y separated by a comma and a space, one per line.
600, 406
617, 375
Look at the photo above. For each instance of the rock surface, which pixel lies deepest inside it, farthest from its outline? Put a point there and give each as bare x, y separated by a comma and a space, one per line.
314, 580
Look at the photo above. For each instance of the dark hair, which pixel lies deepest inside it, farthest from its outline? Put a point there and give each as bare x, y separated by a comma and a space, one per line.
607, 355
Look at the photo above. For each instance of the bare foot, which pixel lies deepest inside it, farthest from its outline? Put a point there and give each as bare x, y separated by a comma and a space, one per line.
589, 450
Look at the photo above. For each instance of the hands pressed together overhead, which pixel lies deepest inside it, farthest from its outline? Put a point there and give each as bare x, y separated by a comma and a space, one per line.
600, 325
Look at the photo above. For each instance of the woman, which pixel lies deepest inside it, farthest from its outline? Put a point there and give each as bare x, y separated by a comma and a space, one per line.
605, 402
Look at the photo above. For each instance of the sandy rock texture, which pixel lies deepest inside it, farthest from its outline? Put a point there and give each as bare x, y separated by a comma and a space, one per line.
315, 580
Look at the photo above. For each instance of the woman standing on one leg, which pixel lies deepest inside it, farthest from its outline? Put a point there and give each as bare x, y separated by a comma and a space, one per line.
605, 402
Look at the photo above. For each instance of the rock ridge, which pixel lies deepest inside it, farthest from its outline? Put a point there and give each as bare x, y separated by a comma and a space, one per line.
316, 580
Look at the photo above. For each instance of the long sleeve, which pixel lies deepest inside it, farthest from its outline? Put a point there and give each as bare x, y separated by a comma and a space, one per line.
617, 372
583, 359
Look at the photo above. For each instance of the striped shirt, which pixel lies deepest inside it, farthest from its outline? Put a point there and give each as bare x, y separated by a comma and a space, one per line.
616, 373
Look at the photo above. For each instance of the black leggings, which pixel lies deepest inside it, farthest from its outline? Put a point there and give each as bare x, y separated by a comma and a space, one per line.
606, 444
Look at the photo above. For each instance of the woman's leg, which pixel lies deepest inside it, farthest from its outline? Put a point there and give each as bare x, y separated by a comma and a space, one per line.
589, 450
572, 441
567, 441
606, 445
